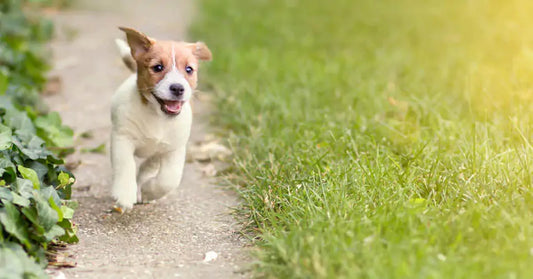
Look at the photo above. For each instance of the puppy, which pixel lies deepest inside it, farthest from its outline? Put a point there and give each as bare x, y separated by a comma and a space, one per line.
151, 116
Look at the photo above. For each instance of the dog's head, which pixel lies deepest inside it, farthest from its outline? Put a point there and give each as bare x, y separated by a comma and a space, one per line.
166, 70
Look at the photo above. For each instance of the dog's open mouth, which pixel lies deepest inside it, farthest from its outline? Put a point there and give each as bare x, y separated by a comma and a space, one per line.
171, 107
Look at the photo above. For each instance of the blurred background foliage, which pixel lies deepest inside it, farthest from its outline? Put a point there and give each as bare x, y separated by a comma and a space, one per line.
379, 139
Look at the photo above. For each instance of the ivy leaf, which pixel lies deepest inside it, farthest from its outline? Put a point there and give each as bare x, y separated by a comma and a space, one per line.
13, 223
29, 207
5, 101
70, 231
6, 166
68, 212
31, 214
64, 179
52, 159
18, 120
48, 192
40, 168
56, 208
49, 127
14, 263
6, 194
69, 237
5, 137
54, 232
19, 200
71, 204
15, 268
31, 175
23, 187
47, 216
30, 145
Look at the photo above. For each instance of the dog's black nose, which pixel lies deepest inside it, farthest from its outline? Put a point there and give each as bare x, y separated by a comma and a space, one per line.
177, 89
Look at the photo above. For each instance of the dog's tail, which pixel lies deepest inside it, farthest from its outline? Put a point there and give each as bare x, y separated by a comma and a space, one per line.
125, 54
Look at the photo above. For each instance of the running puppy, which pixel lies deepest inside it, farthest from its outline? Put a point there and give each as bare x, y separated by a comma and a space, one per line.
152, 116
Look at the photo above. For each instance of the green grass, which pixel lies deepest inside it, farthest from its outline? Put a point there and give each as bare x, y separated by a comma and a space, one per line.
379, 139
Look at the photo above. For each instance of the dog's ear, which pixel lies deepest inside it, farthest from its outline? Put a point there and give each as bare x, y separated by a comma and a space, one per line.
201, 51
139, 42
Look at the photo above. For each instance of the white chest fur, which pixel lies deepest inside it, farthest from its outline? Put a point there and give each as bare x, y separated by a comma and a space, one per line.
150, 130
143, 130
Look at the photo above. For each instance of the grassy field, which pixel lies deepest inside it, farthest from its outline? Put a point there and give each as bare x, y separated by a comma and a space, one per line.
379, 139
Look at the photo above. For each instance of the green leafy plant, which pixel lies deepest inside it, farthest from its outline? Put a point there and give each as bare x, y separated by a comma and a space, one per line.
35, 187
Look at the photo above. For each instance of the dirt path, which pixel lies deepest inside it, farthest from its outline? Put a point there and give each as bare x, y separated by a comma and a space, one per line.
166, 239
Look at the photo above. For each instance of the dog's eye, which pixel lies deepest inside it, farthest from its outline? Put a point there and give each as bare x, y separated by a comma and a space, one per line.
157, 68
189, 69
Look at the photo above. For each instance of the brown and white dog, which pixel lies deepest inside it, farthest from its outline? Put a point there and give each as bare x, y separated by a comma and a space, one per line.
152, 116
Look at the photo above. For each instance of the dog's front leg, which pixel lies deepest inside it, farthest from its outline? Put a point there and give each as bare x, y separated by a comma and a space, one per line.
168, 177
124, 187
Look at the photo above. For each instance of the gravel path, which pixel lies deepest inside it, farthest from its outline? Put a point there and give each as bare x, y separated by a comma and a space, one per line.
165, 239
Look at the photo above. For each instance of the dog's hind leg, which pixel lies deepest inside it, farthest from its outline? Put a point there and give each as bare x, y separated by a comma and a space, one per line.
148, 169
168, 177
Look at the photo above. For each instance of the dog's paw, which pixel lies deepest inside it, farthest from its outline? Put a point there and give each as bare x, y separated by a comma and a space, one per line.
125, 199
126, 202
154, 189
124, 205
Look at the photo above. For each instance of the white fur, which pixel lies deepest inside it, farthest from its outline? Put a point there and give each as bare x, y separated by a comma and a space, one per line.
173, 76
143, 130
123, 48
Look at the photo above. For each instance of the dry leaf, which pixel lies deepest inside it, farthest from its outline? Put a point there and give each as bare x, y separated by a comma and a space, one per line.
118, 209
209, 151
53, 86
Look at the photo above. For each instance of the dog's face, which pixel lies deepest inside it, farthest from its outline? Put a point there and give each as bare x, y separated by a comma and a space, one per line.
166, 70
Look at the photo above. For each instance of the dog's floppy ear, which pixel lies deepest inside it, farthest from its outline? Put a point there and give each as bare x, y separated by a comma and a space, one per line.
139, 42
201, 51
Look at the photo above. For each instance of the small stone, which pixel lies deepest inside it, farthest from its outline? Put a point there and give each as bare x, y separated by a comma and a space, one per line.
56, 274
210, 256
209, 170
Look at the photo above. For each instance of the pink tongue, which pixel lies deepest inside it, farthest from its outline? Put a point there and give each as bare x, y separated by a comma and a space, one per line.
173, 106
